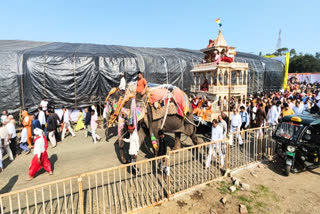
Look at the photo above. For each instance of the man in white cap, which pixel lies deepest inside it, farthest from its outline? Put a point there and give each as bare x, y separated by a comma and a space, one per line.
122, 86
40, 158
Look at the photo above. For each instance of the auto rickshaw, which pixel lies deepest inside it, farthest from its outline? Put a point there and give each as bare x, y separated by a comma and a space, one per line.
298, 141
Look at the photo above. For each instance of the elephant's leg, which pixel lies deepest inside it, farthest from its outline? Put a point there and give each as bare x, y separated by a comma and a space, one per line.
194, 138
106, 133
121, 151
177, 144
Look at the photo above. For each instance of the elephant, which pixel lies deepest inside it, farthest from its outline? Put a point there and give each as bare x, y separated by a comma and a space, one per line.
149, 126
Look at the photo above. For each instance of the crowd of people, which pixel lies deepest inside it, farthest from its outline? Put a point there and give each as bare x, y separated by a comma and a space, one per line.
264, 109
46, 125
37, 128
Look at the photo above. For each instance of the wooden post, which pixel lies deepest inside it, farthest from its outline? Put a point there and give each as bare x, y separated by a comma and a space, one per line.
80, 195
100, 106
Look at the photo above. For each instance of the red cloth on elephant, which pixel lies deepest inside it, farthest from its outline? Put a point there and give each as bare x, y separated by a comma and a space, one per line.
179, 98
157, 94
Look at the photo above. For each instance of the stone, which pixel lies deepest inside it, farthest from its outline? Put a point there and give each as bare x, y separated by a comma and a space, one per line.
212, 211
223, 201
243, 209
195, 204
245, 186
261, 166
232, 189
234, 179
236, 183
253, 174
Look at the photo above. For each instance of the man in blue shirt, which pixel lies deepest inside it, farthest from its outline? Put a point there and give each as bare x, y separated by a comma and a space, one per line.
297, 109
34, 124
244, 118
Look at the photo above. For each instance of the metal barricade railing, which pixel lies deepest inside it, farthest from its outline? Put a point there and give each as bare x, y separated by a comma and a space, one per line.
125, 188
135, 186
54, 197
196, 165
249, 146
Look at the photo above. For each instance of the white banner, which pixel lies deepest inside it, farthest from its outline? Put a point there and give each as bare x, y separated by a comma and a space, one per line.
305, 77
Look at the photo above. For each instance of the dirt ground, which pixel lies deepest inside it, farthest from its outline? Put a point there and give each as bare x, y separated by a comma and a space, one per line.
73, 156
270, 192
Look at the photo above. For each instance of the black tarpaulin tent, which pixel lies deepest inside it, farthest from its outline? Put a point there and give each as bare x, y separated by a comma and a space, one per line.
76, 75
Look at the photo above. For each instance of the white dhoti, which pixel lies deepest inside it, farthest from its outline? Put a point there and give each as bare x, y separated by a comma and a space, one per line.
95, 136
213, 150
238, 136
24, 135
65, 127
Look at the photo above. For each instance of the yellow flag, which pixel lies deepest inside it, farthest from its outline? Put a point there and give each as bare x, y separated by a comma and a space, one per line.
286, 70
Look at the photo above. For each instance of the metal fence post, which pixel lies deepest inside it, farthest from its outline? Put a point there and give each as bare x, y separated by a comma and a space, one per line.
168, 175
80, 195
228, 154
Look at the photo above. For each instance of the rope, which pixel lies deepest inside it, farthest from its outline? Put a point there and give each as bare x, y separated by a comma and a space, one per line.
44, 76
165, 116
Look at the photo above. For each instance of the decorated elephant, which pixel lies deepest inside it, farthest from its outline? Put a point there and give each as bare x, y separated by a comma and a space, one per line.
163, 107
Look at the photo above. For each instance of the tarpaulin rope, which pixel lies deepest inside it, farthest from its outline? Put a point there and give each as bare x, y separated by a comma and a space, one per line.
44, 74
75, 79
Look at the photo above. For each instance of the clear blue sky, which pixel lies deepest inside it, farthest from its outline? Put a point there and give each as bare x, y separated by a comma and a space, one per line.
250, 25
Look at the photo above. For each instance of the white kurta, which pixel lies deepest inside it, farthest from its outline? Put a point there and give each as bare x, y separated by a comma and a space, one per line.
122, 85
236, 122
273, 115
134, 143
42, 118
235, 126
38, 147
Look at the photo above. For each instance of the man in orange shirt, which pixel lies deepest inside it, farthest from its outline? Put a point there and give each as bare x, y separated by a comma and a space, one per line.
141, 86
26, 122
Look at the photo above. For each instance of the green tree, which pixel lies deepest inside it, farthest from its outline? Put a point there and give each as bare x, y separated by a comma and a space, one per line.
293, 52
281, 51
304, 64
318, 55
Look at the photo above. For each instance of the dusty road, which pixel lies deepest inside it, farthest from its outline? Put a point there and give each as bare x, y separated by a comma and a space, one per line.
270, 192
